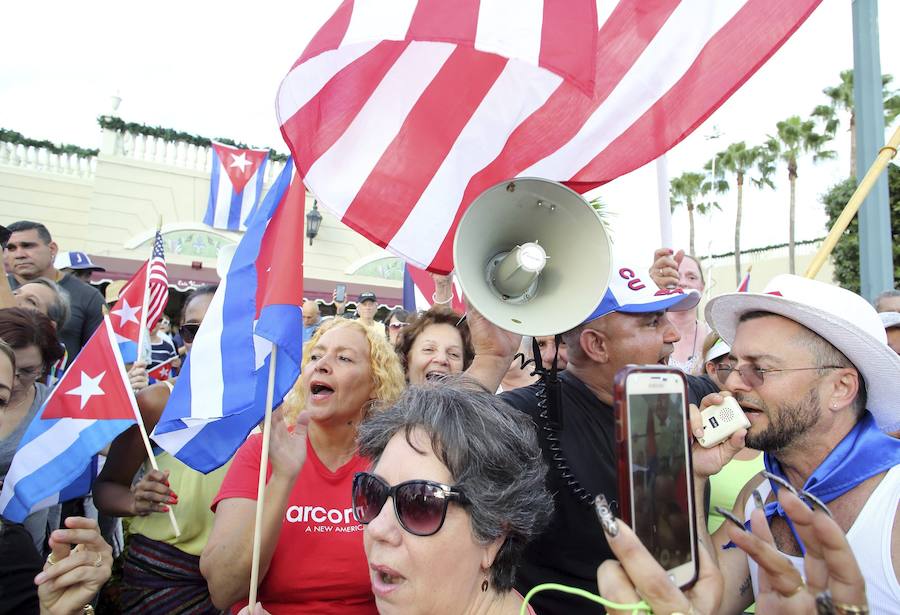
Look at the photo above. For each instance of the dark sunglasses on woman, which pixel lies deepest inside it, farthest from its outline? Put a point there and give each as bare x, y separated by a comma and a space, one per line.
188, 330
420, 505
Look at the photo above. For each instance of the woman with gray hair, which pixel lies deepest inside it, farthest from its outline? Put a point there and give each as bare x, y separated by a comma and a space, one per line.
465, 476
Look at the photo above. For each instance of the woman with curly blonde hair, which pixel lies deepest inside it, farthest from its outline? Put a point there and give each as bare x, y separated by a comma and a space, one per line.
312, 558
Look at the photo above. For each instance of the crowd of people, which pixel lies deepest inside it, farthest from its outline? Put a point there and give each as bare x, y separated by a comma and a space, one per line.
425, 464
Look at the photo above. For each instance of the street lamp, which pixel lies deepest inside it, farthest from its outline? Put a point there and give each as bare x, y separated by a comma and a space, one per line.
715, 134
313, 221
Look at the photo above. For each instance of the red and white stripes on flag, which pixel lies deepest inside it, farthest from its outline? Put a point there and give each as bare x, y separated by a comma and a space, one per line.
158, 283
400, 113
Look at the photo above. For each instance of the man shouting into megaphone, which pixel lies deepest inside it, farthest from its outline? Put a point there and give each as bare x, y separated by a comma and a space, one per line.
629, 326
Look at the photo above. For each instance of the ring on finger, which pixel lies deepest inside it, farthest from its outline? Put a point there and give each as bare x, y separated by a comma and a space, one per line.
799, 588
51, 560
99, 561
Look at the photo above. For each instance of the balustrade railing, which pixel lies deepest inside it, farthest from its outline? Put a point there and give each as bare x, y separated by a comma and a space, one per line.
179, 154
43, 160
139, 147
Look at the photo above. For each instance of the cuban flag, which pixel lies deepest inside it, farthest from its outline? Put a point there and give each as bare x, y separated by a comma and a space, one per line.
235, 186
419, 288
126, 313
56, 459
220, 394
164, 371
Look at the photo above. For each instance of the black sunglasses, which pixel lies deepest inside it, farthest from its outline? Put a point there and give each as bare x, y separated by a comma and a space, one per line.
420, 505
188, 330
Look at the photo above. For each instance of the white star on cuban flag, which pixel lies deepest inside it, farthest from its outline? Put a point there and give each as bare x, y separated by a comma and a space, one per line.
127, 313
89, 387
95, 386
240, 160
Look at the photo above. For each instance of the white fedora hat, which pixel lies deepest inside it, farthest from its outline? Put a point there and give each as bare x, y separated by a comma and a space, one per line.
839, 316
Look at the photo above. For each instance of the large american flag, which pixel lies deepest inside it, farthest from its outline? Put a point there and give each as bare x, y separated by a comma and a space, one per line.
158, 284
400, 112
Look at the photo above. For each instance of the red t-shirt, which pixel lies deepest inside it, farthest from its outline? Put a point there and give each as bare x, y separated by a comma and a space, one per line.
319, 565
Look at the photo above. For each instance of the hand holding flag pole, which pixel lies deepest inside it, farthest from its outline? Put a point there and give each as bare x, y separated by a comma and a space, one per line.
261, 486
140, 423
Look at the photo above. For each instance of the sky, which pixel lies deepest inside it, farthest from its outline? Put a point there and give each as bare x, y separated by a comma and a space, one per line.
213, 69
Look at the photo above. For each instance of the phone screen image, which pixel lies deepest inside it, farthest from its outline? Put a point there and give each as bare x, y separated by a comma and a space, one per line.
660, 506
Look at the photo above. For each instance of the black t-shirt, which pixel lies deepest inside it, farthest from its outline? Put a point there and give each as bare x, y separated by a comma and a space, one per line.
573, 546
86, 312
19, 563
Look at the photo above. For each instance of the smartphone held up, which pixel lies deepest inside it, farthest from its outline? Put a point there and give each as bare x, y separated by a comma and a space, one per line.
656, 495
340, 293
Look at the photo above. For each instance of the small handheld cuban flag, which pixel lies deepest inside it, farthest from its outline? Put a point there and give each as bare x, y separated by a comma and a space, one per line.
164, 371
235, 186
149, 284
56, 458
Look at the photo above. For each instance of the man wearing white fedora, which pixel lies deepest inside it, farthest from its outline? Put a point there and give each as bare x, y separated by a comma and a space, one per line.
820, 386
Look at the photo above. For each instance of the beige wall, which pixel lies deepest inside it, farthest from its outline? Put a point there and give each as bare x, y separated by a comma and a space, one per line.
60, 201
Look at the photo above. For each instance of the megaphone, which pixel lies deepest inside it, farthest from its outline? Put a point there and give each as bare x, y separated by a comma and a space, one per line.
532, 256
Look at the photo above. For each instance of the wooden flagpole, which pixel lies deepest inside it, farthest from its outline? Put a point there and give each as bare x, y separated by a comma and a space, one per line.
865, 186
137, 416
261, 486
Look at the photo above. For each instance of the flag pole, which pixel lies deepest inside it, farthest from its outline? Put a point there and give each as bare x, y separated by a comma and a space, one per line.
665, 207
137, 413
142, 332
865, 186
261, 486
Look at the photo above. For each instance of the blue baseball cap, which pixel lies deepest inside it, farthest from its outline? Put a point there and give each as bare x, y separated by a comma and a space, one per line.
75, 260
630, 294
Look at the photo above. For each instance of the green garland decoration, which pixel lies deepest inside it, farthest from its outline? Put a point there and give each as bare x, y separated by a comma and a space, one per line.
117, 124
775, 246
16, 138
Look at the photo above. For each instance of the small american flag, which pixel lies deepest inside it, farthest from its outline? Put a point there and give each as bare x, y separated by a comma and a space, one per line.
158, 283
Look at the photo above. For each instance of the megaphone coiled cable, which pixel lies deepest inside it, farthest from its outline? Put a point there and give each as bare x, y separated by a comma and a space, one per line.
550, 414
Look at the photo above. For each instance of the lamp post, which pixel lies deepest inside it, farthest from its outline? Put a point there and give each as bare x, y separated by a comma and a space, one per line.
715, 134
313, 222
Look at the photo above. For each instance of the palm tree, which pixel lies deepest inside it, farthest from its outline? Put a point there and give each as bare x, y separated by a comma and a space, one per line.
738, 159
794, 138
687, 189
841, 99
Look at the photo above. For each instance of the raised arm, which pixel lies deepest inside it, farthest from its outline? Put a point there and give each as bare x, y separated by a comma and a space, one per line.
227, 558
494, 350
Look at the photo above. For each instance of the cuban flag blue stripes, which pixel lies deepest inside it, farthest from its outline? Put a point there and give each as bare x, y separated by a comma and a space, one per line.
409, 291
220, 394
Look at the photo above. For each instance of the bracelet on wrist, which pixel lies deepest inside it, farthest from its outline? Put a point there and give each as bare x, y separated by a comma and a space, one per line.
435, 301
